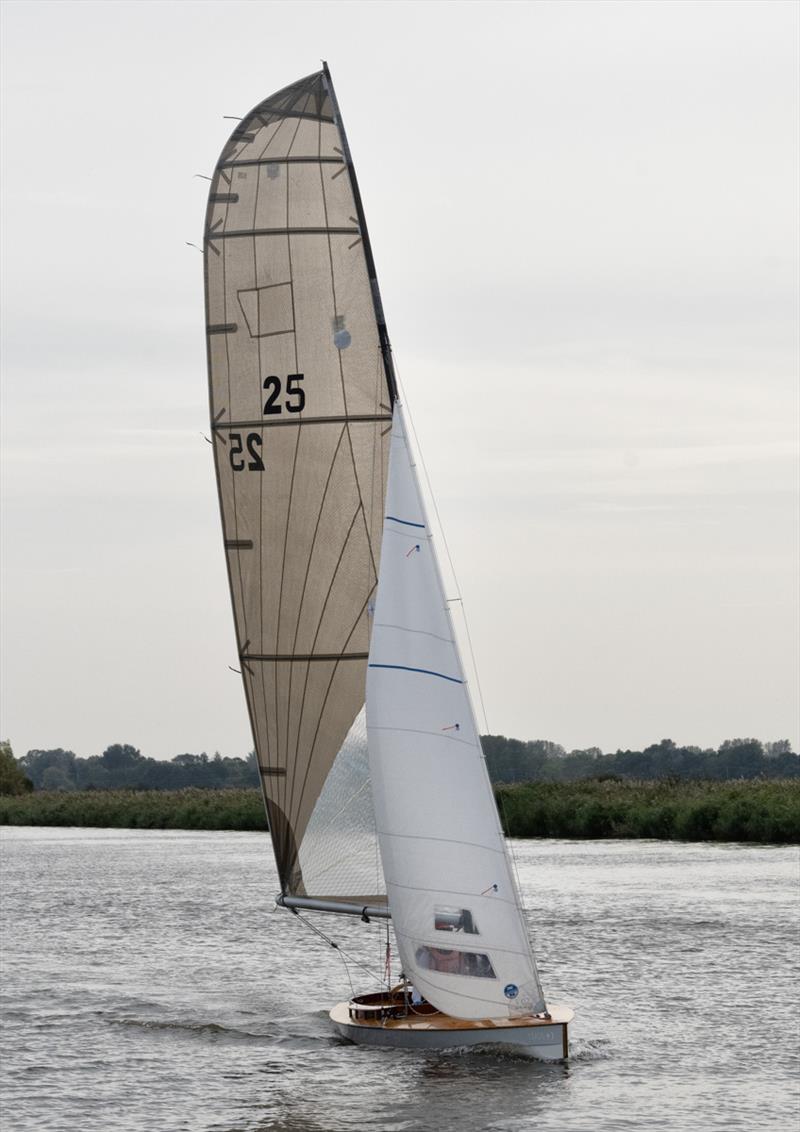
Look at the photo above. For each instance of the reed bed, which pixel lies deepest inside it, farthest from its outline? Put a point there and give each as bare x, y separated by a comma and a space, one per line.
744, 810
137, 809
672, 810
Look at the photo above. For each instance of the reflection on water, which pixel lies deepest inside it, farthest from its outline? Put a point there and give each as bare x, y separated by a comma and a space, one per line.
148, 984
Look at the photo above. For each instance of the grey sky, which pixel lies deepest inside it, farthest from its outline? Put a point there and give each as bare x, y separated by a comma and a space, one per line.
584, 217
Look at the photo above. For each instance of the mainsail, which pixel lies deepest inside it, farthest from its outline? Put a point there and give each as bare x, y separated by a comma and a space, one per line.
301, 392
452, 893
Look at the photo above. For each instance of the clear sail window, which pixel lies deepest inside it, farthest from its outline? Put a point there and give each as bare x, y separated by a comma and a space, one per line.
449, 961
454, 920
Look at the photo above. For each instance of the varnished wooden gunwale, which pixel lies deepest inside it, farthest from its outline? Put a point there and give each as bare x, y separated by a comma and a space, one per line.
559, 1015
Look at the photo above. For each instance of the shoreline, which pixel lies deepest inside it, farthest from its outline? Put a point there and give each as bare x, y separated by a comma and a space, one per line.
754, 811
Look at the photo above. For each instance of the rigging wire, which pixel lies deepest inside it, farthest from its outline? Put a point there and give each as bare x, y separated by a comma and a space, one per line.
431, 496
459, 598
337, 947
387, 968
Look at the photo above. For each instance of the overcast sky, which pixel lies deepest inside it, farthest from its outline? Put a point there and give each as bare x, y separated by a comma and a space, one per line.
584, 217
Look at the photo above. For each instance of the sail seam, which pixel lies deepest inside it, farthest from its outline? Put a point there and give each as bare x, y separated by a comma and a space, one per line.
445, 892
443, 840
447, 736
290, 797
411, 535
327, 692
290, 500
482, 946
367, 531
275, 133
270, 769
311, 552
418, 632
289, 504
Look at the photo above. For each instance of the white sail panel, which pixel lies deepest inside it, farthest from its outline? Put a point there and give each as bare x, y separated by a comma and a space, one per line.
339, 854
454, 902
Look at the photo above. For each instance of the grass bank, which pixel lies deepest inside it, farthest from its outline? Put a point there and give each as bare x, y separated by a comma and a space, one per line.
752, 810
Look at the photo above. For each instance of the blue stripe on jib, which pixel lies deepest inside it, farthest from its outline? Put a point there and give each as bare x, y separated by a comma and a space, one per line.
424, 671
405, 522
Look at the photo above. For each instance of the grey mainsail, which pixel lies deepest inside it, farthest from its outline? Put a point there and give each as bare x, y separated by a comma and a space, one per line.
301, 394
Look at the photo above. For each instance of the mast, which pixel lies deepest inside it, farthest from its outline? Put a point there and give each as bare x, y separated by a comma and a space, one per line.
383, 333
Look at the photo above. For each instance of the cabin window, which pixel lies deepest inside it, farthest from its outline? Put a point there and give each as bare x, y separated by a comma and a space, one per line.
448, 961
454, 920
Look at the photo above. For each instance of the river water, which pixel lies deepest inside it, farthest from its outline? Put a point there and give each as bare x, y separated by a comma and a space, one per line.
148, 984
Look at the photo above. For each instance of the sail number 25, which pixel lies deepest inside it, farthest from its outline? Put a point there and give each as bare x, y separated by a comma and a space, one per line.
247, 453
295, 395
247, 456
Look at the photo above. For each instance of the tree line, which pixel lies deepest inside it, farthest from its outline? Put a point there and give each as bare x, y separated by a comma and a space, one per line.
123, 767
512, 760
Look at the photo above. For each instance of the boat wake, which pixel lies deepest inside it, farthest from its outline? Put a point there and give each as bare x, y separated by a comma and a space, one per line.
598, 1049
204, 1029
498, 1052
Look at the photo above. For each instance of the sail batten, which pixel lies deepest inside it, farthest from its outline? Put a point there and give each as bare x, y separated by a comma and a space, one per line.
317, 159
353, 418
240, 233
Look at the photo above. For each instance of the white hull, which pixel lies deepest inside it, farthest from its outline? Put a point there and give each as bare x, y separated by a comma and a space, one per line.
543, 1039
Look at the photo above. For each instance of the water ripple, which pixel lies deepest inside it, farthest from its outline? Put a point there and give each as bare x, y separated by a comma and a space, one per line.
148, 987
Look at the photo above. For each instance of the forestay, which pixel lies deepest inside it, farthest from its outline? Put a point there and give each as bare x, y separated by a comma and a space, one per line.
301, 406
452, 894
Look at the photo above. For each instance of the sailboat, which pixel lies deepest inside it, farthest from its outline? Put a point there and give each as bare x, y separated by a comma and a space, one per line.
376, 790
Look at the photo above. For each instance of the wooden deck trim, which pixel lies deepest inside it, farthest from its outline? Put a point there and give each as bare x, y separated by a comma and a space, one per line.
560, 1016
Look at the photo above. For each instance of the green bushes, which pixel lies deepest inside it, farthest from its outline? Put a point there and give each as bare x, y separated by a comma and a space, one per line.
751, 810
12, 780
675, 810
138, 809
